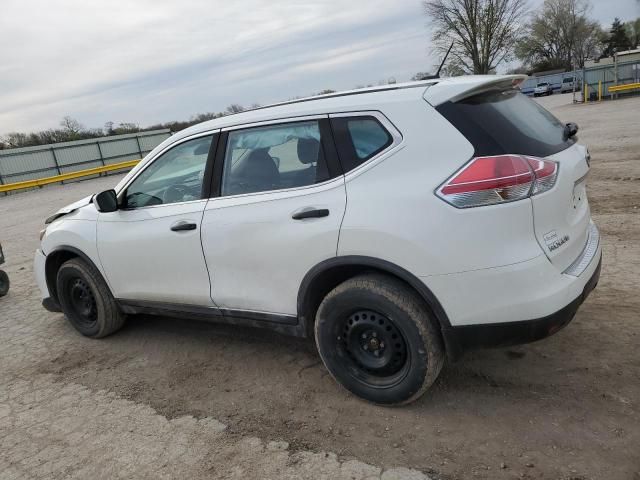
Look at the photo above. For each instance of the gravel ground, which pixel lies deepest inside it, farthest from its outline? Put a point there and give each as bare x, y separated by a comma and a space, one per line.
169, 398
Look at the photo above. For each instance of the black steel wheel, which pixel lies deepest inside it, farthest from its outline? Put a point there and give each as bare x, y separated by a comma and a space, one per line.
375, 348
4, 283
86, 300
376, 337
83, 303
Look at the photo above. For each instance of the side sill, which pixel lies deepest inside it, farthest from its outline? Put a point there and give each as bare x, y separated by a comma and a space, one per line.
285, 324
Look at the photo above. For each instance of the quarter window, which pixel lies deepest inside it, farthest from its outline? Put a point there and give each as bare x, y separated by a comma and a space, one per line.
274, 157
359, 139
176, 176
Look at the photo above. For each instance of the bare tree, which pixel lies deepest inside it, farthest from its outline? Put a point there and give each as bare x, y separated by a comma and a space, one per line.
633, 31
108, 127
560, 35
589, 41
234, 108
71, 126
483, 32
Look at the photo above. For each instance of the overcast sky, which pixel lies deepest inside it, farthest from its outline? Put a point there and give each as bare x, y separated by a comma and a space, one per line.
148, 61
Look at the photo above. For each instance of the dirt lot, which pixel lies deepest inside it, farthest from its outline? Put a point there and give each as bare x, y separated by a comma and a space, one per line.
564, 408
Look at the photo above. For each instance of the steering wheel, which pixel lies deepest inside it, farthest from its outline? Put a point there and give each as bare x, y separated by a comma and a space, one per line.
174, 194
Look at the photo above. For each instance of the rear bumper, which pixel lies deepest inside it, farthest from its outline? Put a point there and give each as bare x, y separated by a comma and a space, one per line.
469, 337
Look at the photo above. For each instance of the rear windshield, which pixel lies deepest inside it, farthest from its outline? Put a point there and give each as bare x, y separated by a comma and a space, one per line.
499, 122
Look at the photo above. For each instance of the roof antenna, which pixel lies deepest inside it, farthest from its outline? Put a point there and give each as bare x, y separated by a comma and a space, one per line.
437, 75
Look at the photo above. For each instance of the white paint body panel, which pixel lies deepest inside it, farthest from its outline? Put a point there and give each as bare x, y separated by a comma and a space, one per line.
524, 291
563, 211
394, 215
77, 230
39, 260
258, 255
144, 260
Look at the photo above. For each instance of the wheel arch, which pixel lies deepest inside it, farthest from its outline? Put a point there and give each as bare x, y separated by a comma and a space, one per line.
54, 261
328, 274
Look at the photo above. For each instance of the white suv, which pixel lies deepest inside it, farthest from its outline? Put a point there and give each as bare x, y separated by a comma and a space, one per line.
395, 225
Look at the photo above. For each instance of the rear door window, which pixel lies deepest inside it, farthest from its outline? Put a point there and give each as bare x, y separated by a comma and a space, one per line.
359, 138
500, 122
274, 157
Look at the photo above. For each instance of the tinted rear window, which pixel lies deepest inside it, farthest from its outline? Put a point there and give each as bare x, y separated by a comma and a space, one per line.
499, 122
358, 139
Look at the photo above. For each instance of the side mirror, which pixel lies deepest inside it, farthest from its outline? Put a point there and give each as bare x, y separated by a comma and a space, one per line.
106, 201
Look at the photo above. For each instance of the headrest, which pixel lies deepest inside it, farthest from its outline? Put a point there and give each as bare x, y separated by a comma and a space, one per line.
259, 154
308, 150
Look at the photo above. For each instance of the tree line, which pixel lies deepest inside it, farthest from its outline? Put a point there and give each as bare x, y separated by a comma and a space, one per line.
485, 34
71, 129
482, 35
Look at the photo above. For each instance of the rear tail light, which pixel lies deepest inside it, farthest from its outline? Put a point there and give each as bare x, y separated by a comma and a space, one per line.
498, 179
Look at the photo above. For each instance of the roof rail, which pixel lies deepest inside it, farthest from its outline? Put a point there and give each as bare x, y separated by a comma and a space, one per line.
346, 93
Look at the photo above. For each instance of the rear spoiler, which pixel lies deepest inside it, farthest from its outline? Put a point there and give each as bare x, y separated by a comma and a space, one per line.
458, 88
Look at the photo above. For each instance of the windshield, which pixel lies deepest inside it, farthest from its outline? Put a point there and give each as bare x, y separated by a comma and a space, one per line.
501, 122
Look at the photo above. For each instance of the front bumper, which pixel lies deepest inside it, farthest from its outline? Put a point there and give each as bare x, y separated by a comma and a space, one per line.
39, 270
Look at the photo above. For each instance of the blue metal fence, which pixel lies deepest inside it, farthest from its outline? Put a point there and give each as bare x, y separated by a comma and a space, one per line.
30, 163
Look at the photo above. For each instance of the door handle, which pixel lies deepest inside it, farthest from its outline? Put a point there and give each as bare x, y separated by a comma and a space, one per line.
314, 213
183, 227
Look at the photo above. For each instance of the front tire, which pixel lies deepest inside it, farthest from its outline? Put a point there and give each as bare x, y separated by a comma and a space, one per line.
377, 338
86, 300
4, 283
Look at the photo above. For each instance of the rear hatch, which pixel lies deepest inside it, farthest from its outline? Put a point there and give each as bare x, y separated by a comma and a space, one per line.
561, 215
499, 120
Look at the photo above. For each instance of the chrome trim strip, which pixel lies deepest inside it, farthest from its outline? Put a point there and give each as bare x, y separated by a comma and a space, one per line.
581, 263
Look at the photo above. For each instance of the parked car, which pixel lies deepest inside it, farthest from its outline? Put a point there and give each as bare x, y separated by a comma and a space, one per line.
395, 225
568, 85
4, 278
542, 89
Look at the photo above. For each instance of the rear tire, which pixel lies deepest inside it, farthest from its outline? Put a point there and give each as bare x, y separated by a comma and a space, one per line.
4, 283
376, 337
86, 300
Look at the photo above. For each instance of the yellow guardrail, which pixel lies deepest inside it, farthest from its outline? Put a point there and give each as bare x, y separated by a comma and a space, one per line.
67, 176
625, 87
